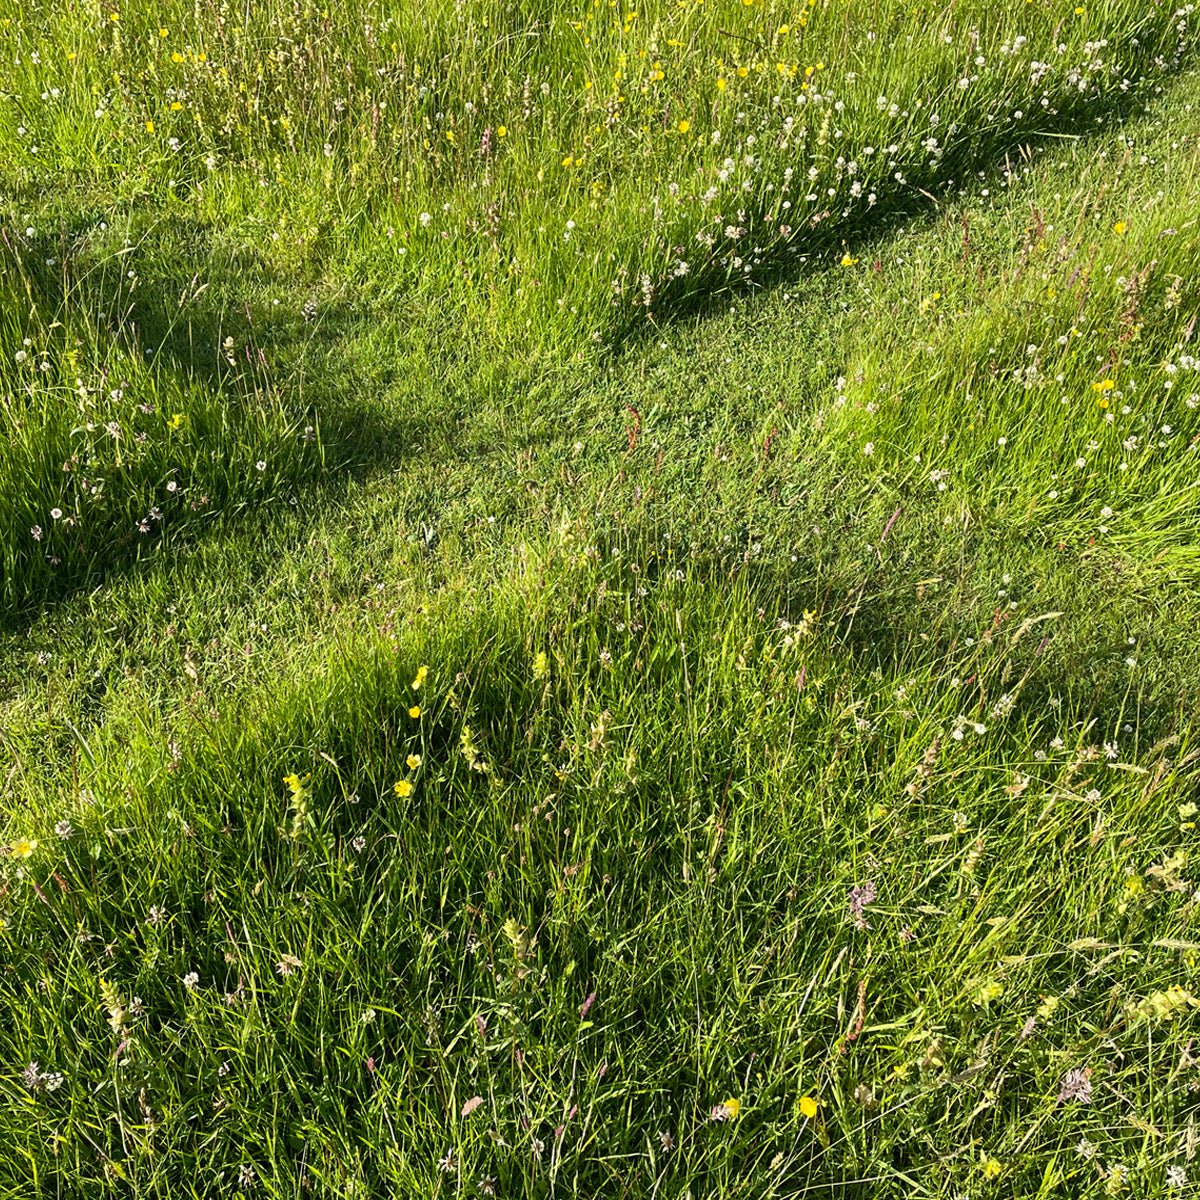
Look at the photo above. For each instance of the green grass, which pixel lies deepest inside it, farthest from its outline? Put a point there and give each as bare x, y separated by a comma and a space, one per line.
803, 726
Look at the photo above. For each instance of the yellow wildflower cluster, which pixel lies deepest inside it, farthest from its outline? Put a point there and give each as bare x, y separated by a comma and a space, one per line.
1163, 1006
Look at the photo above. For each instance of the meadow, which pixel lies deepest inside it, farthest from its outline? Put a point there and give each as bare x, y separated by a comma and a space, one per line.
599, 599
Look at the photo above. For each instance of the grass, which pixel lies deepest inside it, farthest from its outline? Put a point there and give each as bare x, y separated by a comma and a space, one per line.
740, 744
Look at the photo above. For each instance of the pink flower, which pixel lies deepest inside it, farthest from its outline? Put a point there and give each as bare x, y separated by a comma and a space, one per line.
471, 1105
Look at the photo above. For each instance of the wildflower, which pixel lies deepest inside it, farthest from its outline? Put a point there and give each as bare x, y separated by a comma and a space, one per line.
988, 992
1163, 1006
420, 678
666, 1140
155, 915
415, 711
1176, 1177
56, 514
808, 1107
502, 131
991, 1169
847, 261
1076, 1085
403, 788
859, 898
540, 667
296, 785
587, 1004
63, 829
246, 1177
358, 844
684, 126
1085, 1149
190, 980
114, 1004
471, 1105
287, 964
726, 1111
23, 847
36, 532
1118, 1177
487, 1185
1119, 227
448, 1163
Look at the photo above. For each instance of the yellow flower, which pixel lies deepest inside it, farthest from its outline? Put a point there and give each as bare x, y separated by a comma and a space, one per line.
415, 711
403, 788
732, 1106
162, 33
566, 162
413, 761
149, 126
743, 72
540, 667
847, 261
295, 784
1079, 11
720, 84
177, 420
502, 131
991, 1169
808, 1107
177, 57
420, 679
23, 847
988, 992
684, 126
1119, 227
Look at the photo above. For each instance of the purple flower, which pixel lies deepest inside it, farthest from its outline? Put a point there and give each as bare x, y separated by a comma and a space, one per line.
583, 1012
1076, 1085
859, 898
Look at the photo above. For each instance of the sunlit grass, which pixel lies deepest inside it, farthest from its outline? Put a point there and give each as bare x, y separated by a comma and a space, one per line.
485, 710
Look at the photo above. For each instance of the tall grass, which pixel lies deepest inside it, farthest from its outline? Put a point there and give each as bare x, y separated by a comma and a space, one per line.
743, 754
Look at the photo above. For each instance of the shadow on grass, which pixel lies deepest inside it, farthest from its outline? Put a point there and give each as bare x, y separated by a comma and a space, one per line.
178, 323
787, 261
180, 320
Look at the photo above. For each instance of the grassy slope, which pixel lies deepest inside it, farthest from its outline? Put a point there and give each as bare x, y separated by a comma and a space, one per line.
673, 815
